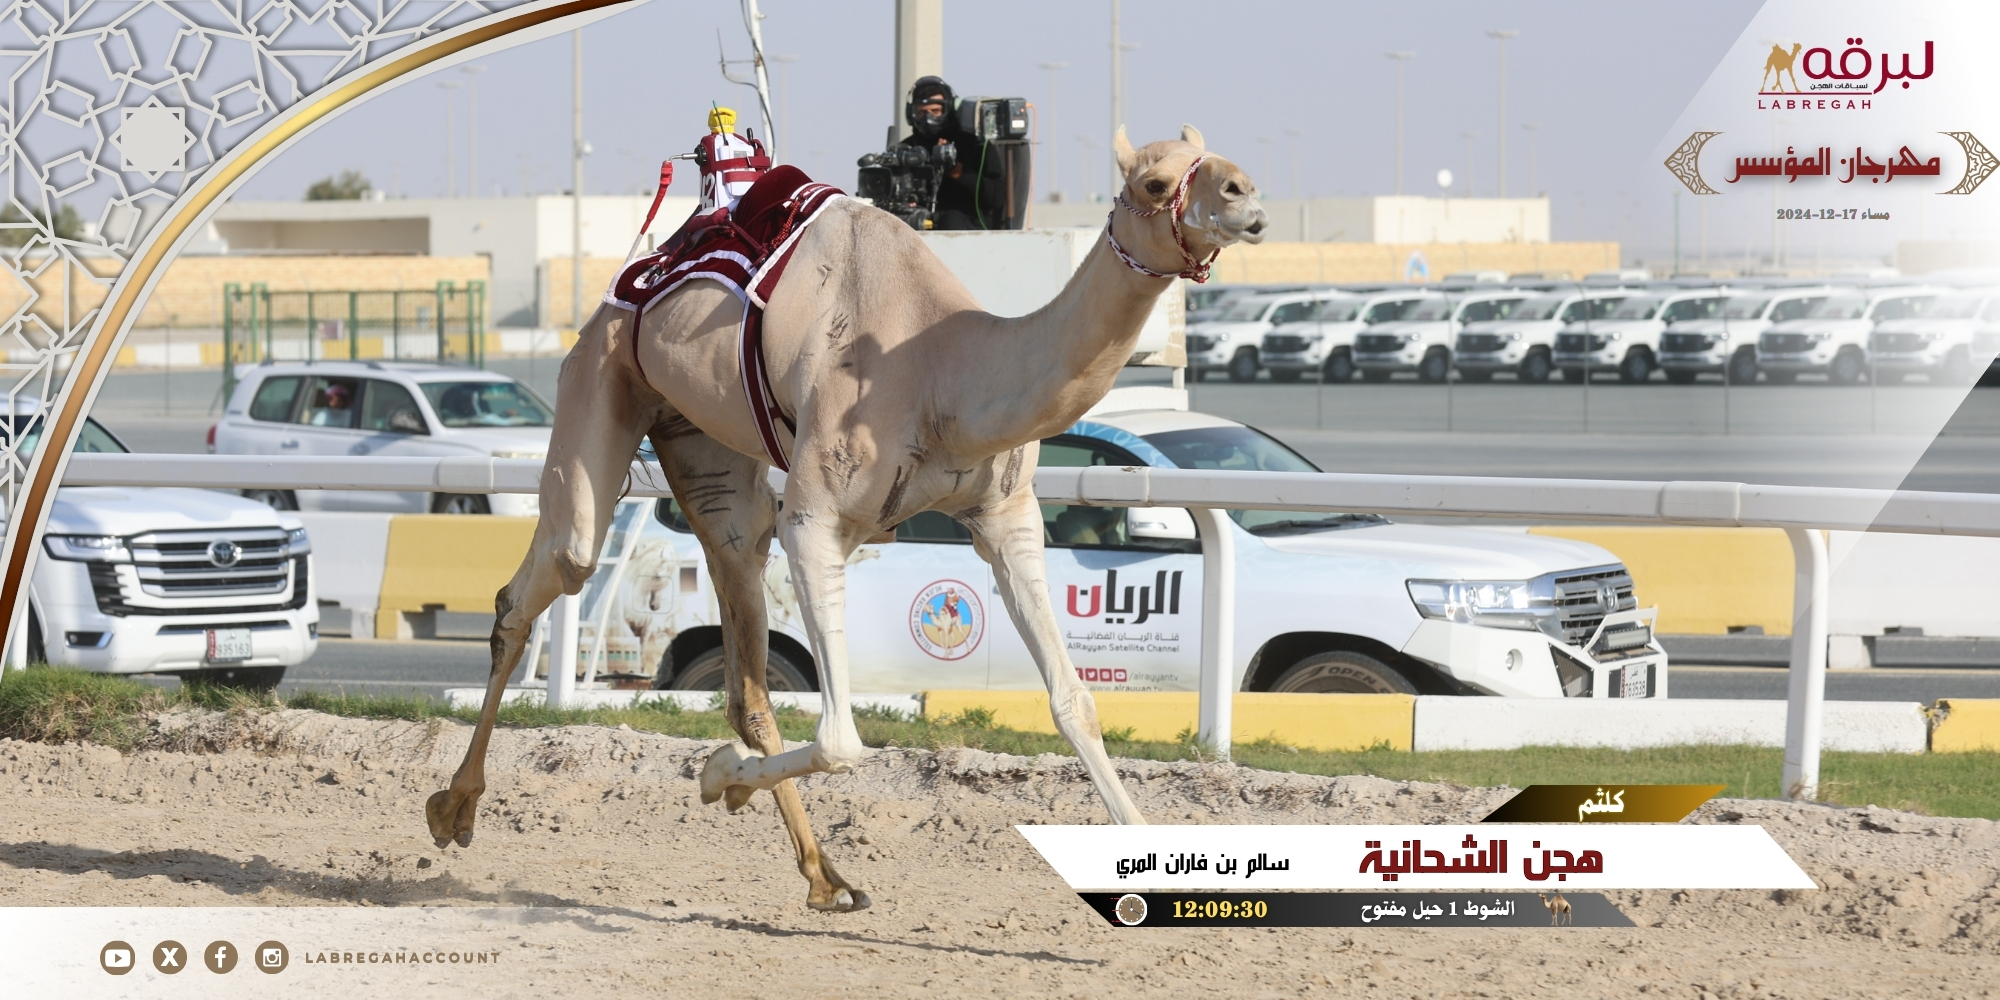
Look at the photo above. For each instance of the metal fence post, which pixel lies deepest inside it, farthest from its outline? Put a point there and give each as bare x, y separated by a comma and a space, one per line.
562, 651
1806, 696
1218, 628
443, 290
475, 311
229, 293
312, 327
263, 292
395, 324
353, 326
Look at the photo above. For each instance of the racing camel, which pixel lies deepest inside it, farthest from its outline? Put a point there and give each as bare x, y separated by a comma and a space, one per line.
907, 397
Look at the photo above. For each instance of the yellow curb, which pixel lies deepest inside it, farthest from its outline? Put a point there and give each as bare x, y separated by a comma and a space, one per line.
1967, 724
1306, 721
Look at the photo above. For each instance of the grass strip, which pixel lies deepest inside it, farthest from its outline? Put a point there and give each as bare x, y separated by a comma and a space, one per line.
56, 706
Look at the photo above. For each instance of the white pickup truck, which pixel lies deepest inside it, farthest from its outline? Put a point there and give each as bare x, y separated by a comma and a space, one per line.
1325, 602
192, 583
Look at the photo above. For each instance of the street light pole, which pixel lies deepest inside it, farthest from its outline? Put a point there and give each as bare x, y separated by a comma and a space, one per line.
1117, 98
576, 179
472, 123
450, 141
1501, 35
1469, 136
1533, 184
1401, 58
785, 93
1055, 142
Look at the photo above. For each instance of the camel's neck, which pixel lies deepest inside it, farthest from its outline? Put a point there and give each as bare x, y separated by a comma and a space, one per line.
1035, 375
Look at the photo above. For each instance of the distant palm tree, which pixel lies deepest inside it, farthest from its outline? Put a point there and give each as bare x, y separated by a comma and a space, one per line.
349, 186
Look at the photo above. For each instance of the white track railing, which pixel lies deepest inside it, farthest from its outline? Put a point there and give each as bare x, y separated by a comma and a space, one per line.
1802, 511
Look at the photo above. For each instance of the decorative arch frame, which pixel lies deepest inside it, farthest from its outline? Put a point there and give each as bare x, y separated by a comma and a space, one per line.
406, 39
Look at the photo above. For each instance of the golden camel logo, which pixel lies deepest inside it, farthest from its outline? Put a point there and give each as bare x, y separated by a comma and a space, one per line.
1854, 70
947, 620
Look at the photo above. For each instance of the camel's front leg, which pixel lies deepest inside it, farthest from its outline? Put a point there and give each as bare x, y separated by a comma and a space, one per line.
1008, 535
817, 545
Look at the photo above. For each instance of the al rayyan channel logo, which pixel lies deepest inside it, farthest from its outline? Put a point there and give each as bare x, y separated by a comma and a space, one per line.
947, 621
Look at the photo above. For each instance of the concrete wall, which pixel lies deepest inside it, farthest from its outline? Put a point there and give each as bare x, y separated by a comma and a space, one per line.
1276, 263
1389, 219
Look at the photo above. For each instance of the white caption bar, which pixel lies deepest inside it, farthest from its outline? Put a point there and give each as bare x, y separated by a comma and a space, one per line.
1474, 856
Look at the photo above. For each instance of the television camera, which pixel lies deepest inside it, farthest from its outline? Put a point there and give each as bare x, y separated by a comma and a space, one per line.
905, 179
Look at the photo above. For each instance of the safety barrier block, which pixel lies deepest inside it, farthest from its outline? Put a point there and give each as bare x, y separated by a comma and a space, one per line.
1966, 724
1703, 580
1306, 721
1454, 723
448, 562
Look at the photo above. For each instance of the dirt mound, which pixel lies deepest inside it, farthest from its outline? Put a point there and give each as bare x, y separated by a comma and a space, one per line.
299, 808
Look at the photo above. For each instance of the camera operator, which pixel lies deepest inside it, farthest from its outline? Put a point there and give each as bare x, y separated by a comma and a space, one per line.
972, 193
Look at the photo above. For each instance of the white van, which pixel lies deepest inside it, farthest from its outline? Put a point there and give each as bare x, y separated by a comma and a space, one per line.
384, 408
1325, 602
192, 583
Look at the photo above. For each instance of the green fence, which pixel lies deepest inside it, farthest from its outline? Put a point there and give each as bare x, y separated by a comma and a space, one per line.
445, 325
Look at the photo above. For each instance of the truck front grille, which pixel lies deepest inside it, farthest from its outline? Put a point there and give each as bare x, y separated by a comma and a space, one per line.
1284, 343
1585, 597
236, 562
1784, 343
1377, 343
1479, 343
1896, 343
1685, 343
1200, 343
114, 596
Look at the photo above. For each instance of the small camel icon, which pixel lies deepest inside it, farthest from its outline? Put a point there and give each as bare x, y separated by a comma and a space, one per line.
1777, 65
1559, 912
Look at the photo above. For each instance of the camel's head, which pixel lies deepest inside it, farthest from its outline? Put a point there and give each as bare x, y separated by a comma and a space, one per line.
1219, 208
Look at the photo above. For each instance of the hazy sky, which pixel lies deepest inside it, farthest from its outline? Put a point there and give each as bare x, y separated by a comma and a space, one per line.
1603, 81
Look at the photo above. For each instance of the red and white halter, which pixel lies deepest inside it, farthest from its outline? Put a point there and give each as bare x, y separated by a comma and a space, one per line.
1192, 269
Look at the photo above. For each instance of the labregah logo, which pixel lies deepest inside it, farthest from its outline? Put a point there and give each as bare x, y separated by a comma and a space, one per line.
1854, 71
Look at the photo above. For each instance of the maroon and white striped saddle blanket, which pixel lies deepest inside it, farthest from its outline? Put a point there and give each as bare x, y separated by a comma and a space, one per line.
746, 250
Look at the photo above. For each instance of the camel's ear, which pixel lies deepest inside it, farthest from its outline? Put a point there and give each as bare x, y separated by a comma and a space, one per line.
1127, 156
1192, 136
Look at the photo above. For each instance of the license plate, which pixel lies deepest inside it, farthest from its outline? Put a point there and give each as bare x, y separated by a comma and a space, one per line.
228, 645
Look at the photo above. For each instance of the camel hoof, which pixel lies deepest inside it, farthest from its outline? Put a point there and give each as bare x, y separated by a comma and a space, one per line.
844, 901
450, 817
441, 841
465, 839
716, 775
737, 796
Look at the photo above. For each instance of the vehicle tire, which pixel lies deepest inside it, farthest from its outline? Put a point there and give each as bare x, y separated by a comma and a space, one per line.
38, 648
1535, 367
1743, 366
261, 680
1781, 378
1243, 367
1289, 375
1342, 672
1435, 367
274, 499
460, 503
1847, 368
1338, 368
1197, 374
1957, 368
1376, 374
705, 674
1682, 378
1636, 368
1466, 376
1573, 376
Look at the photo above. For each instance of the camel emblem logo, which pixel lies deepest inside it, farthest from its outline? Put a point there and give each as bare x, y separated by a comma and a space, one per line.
947, 620
1776, 66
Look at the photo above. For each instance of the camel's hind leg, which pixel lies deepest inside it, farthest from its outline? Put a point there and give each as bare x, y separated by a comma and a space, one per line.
1008, 535
729, 504
602, 411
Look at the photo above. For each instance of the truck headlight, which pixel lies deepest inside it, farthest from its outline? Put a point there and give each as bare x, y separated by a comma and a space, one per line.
1493, 603
296, 542
87, 548
1513, 337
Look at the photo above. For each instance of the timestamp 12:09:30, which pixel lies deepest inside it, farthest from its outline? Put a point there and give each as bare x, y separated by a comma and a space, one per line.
1828, 214
1213, 909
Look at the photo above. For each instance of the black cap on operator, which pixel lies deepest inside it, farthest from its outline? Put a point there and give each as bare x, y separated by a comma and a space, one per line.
927, 90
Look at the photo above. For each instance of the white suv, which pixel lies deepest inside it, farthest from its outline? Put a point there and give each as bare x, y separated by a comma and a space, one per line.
1628, 340
384, 408
172, 581
1833, 338
1727, 343
1937, 344
1324, 342
1421, 341
1230, 342
1524, 342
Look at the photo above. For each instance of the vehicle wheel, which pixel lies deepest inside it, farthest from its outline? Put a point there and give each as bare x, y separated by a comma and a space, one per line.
1376, 374
1291, 375
274, 499
1243, 367
1343, 672
1339, 368
460, 503
1743, 366
259, 679
38, 649
1466, 376
1435, 367
1636, 368
1781, 378
705, 674
1535, 367
1681, 378
1957, 369
1847, 368
1197, 374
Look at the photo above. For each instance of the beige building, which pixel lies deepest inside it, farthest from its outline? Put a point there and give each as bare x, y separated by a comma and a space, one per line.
1386, 219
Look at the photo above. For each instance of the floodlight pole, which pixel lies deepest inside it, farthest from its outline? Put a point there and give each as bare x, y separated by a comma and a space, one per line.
1055, 136
472, 124
1501, 35
1401, 58
576, 180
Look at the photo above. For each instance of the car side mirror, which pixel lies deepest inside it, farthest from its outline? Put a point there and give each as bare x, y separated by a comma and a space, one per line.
1164, 523
408, 422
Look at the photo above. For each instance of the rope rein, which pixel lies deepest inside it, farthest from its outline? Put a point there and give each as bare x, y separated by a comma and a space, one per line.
1191, 269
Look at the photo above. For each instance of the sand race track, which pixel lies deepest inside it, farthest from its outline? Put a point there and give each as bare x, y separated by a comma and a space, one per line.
639, 890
